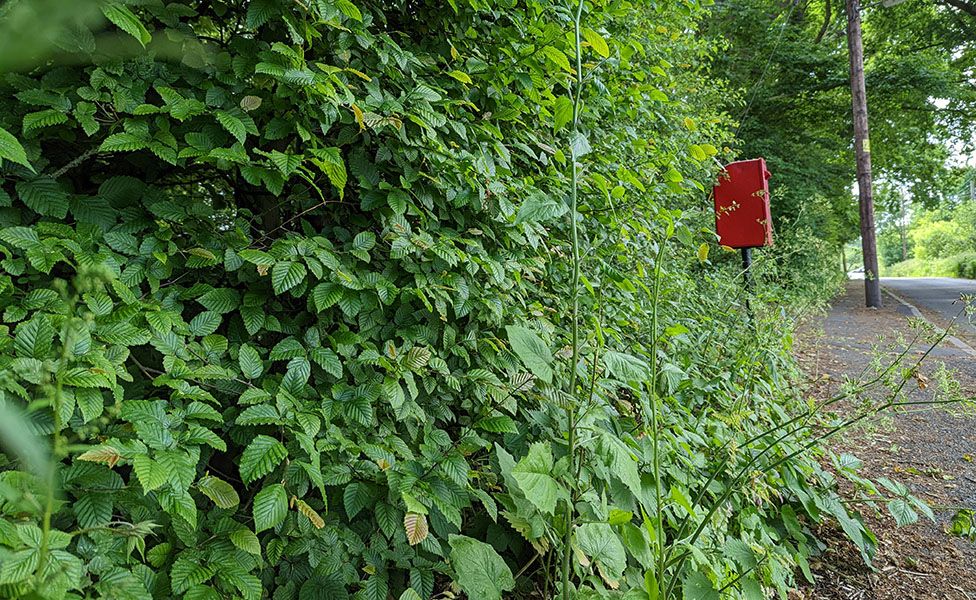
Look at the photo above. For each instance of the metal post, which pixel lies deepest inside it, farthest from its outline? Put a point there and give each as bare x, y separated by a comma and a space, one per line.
747, 276
862, 148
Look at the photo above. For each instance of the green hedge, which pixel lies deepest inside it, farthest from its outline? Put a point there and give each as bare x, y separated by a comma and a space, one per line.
287, 298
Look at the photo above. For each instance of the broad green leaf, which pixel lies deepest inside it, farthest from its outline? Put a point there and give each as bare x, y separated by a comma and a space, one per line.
127, 21
286, 275
563, 112
329, 160
533, 352
599, 542
270, 507
222, 493
246, 540
261, 456
480, 572
12, 150
534, 476
596, 41
699, 587
233, 124
250, 362
539, 208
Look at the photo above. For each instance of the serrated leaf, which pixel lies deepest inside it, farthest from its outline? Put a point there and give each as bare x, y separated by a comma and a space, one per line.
533, 352
44, 196
415, 526
481, 572
246, 540
106, 455
286, 275
127, 21
250, 362
261, 456
329, 160
12, 150
902, 511
151, 474
219, 491
499, 424
233, 124
34, 338
596, 41
534, 476
600, 543
562, 112
270, 507
309, 512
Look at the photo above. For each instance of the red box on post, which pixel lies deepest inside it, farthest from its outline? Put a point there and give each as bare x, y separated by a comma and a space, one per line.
742, 217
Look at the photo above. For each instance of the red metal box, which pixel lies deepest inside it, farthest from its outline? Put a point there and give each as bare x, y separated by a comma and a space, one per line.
742, 217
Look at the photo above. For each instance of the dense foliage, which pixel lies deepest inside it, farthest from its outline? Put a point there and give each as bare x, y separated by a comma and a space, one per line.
288, 297
936, 242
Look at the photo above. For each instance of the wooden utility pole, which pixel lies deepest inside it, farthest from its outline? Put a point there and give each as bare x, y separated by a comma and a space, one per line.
862, 147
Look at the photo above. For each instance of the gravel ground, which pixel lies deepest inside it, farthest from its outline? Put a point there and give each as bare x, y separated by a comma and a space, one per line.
931, 451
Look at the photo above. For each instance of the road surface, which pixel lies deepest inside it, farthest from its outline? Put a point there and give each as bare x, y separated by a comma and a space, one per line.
935, 297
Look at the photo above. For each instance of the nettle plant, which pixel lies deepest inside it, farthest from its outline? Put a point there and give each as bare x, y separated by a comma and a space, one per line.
381, 299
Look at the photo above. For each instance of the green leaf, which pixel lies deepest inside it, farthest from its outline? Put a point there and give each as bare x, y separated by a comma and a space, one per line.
596, 41
558, 57
499, 424
349, 9
18, 566
151, 474
481, 572
329, 160
533, 352
250, 362
10, 149
539, 208
246, 540
286, 275
233, 124
599, 542
534, 476
270, 507
34, 338
460, 76
563, 112
44, 196
902, 511
127, 21
328, 360
123, 142
260, 457
699, 587
222, 493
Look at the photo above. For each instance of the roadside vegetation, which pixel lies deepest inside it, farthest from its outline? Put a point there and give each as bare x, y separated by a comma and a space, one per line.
370, 299
939, 242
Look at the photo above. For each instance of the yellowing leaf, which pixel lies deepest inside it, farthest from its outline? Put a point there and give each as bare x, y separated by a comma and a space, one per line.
358, 113
103, 454
415, 525
460, 76
317, 521
597, 42
703, 253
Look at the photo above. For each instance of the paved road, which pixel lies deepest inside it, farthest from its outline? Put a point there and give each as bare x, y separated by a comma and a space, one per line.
935, 295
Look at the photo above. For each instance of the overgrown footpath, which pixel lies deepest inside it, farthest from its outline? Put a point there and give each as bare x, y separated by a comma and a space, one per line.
931, 451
